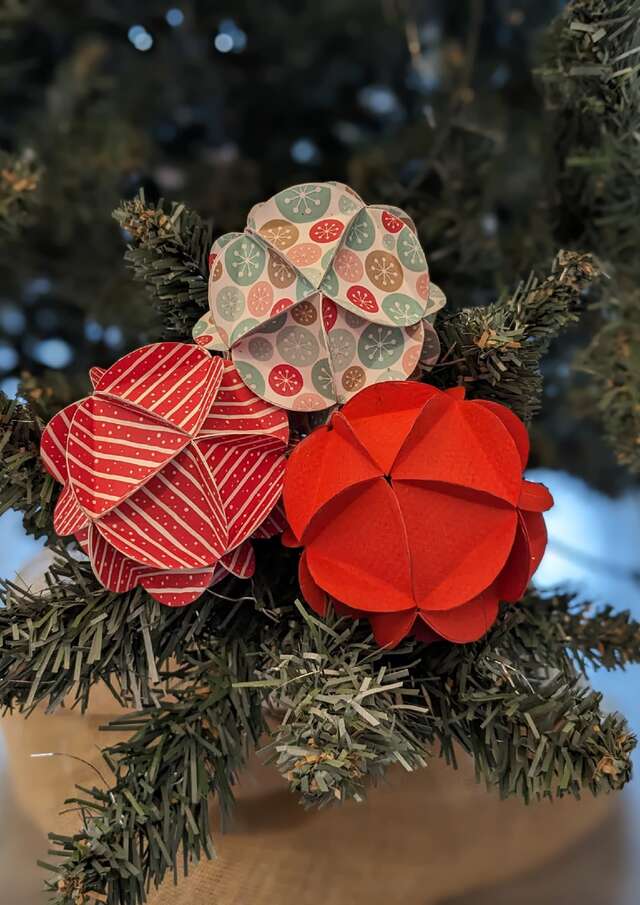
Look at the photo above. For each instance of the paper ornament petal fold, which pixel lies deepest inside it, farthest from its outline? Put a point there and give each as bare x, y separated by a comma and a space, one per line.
465, 623
53, 444
444, 530
174, 382
68, 517
358, 551
174, 521
468, 446
327, 463
534, 497
390, 628
140, 495
319, 297
112, 449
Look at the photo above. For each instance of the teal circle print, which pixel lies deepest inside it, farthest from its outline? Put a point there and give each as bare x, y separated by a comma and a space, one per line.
304, 203
380, 346
244, 260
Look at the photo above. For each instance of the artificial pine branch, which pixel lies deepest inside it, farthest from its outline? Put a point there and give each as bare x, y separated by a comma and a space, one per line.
513, 700
24, 485
495, 350
168, 251
57, 643
592, 88
154, 818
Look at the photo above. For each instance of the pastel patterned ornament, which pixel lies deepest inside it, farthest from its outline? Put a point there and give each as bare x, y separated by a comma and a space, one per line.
168, 469
413, 511
321, 296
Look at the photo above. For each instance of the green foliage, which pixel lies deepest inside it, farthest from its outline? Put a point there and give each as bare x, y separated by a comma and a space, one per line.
168, 250
19, 180
495, 350
24, 486
592, 83
189, 744
512, 700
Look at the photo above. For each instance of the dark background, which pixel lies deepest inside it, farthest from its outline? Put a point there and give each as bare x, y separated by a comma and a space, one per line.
430, 104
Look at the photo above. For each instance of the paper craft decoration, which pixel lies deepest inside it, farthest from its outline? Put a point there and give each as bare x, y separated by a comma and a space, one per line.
413, 511
320, 296
168, 469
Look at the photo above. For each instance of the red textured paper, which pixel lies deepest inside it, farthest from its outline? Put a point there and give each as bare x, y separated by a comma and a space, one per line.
412, 509
168, 469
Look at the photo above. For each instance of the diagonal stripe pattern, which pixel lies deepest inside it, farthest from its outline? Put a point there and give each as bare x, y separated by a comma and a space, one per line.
168, 468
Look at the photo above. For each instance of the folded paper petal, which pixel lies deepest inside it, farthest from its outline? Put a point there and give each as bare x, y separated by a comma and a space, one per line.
358, 551
468, 446
328, 462
142, 498
68, 517
383, 415
458, 542
248, 472
413, 512
319, 297
534, 497
175, 521
274, 524
525, 557
513, 424
173, 382
390, 628
465, 623
112, 449
53, 444
313, 595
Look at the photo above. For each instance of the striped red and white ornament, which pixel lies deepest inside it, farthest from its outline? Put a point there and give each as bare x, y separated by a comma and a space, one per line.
169, 468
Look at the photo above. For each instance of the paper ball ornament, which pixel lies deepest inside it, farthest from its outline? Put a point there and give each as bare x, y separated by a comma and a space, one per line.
168, 469
412, 510
320, 296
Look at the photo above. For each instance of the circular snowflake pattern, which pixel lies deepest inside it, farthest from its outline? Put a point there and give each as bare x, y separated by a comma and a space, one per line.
322, 378
342, 348
326, 231
260, 298
260, 348
380, 346
285, 380
297, 346
230, 303
303, 203
305, 314
361, 233
410, 251
348, 266
363, 298
244, 260
353, 379
384, 271
279, 233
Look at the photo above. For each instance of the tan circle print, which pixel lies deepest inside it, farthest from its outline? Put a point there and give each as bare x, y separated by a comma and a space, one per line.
280, 273
279, 233
384, 270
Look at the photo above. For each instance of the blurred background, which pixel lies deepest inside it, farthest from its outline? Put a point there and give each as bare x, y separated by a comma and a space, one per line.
430, 104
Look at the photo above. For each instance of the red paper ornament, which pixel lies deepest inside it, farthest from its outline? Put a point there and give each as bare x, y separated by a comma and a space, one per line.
168, 469
412, 510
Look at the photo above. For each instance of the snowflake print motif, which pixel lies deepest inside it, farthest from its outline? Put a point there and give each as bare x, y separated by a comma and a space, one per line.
280, 235
285, 380
384, 271
402, 313
410, 250
298, 346
247, 260
381, 345
360, 233
304, 199
281, 271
